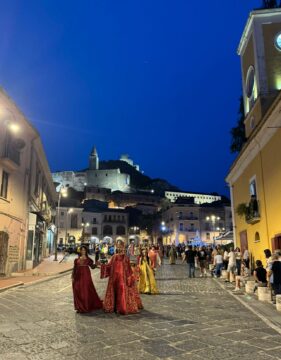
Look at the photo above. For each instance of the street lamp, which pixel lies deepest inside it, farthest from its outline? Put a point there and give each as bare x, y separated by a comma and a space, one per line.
69, 211
62, 193
213, 219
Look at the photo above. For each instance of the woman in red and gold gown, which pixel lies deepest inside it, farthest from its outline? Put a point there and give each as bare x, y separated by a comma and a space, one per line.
85, 296
121, 294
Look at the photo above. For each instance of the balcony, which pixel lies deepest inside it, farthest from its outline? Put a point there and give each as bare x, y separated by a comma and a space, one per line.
252, 215
188, 218
11, 158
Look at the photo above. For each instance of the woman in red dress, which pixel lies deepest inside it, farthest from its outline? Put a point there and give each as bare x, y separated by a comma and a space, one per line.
85, 296
121, 293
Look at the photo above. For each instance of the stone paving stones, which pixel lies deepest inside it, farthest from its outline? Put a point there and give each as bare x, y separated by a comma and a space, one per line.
191, 319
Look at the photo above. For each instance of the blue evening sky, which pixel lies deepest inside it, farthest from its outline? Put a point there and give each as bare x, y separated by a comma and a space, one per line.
157, 79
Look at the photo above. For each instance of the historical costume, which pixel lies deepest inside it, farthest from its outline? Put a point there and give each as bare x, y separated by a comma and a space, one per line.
85, 296
147, 283
172, 255
121, 293
153, 258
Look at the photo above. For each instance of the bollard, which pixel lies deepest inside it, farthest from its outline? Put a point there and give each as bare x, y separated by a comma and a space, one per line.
278, 302
224, 274
250, 285
264, 294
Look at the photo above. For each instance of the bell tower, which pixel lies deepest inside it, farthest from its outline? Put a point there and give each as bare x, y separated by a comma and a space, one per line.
260, 53
94, 159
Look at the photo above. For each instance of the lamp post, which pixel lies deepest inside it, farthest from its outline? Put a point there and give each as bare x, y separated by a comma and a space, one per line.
213, 220
69, 211
62, 193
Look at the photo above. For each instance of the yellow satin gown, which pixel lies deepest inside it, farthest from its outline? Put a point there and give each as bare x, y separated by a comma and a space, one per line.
147, 283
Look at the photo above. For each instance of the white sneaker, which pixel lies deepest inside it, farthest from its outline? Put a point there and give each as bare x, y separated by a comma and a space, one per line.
236, 289
201, 275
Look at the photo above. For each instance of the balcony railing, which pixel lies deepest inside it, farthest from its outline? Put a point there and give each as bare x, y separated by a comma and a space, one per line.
252, 215
12, 154
188, 218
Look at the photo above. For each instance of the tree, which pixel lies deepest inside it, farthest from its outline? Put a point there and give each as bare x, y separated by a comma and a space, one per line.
238, 136
270, 4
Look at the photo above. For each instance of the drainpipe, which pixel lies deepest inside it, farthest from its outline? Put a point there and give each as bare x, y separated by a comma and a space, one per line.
233, 215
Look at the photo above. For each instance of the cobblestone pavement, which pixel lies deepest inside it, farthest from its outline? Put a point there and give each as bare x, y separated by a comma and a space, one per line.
189, 319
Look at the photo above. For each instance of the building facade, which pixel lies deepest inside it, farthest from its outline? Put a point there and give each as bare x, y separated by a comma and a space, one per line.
27, 193
198, 197
77, 224
193, 223
255, 176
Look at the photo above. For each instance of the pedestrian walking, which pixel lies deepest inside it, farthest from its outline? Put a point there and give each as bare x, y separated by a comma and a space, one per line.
218, 262
153, 258
202, 257
231, 264
172, 255
189, 257
238, 259
225, 259
246, 258
85, 296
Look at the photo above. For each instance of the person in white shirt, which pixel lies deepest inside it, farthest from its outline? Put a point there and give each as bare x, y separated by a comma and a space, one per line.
218, 262
231, 262
246, 258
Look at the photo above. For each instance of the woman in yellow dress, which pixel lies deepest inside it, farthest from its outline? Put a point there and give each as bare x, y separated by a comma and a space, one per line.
147, 283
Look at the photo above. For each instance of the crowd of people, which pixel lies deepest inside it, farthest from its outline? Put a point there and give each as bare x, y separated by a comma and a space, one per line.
131, 271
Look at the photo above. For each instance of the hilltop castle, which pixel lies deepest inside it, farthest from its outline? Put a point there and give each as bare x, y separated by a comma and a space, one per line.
95, 177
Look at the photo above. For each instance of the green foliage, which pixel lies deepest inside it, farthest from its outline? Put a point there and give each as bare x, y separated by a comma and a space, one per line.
242, 209
238, 136
270, 4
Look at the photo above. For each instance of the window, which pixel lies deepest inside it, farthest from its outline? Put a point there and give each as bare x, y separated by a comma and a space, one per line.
62, 213
94, 231
74, 221
107, 230
120, 230
37, 180
253, 187
257, 237
94, 220
4, 185
181, 226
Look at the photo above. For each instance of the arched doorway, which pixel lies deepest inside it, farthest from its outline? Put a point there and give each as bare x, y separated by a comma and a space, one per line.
4, 239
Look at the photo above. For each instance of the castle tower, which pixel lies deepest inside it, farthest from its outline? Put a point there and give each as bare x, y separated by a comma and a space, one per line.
260, 53
94, 159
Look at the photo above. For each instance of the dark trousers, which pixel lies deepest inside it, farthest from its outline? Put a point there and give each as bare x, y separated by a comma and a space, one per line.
191, 269
238, 267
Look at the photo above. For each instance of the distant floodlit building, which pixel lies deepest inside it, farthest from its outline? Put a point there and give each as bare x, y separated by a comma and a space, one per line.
199, 198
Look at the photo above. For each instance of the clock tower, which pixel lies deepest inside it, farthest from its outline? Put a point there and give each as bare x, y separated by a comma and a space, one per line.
260, 53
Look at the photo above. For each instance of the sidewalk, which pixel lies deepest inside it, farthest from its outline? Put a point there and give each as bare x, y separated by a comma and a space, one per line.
265, 311
47, 269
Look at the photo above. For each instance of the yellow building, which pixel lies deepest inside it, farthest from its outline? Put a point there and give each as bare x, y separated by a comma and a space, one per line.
255, 176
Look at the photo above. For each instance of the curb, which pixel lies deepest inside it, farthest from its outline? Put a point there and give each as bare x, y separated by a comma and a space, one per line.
258, 314
25, 285
11, 286
49, 278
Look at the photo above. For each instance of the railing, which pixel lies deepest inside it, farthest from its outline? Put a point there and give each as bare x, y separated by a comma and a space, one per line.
252, 215
188, 218
12, 154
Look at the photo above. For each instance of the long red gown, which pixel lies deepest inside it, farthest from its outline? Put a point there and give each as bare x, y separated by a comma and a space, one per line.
121, 294
85, 296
